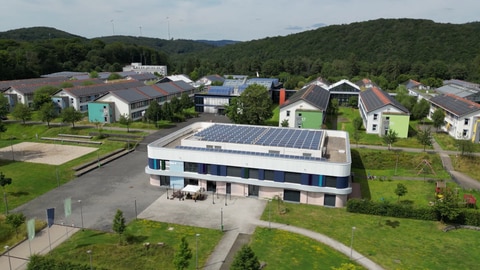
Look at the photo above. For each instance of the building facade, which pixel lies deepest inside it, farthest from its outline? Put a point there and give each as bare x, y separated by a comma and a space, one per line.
300, 165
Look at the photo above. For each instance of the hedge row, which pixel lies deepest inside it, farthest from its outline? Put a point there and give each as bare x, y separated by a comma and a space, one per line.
466, 216
38, 262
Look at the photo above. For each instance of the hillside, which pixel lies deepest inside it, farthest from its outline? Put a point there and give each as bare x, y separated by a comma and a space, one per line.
388, 50
36, 34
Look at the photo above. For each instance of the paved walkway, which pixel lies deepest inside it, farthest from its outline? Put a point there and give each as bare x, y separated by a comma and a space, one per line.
44, 241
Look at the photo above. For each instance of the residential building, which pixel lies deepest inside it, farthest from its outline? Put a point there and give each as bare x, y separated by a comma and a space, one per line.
133, 102
210, 79
301, 165
139, 68
380, 112
415, 88
462, 116
306, 108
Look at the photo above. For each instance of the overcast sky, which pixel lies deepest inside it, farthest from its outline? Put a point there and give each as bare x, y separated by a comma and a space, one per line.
241, 20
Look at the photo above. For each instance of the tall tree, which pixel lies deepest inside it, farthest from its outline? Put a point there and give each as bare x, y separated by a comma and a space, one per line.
245, 259
22, 112
390, 138
357, 135
185, 101
48, 112
4, 107
182, 257
70, 115
438, 118
119, 223
252, 107
420, 109
154, 112
43, 95
357, 123
3, 182
424, 137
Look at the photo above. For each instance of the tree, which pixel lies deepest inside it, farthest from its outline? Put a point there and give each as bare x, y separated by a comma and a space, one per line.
353, 101
284, 123
48, 112
119, 223
4, 106
3, 182
420, 109
446, 206
153, 112
22, 112
15, 220
438, 118
424, 137
125, 120
245, 259
70, 115
356, 136
333, 107
252, 107
182, 257
465, 147
114, 76
43, 95
401, 190
185, 101
357, 123
390, 138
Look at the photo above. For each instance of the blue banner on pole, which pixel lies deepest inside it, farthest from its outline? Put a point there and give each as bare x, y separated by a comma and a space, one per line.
50, 216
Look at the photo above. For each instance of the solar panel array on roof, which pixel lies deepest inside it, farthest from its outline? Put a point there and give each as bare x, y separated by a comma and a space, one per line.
249, 153
168, 87
456, 105
267, 136
130, 95
220, 90
150, 91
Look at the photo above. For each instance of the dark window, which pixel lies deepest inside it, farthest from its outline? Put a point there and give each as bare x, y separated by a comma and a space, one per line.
234, 171
269, 175
288, 113
293, 177
329, 200
330, 181
190, 167
254, 173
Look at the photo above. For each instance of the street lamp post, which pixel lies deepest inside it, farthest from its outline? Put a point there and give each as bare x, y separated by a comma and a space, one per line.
269, 215
221, 219
81, 212
8, 255
196, 250
213, 197
351, 243
89, 252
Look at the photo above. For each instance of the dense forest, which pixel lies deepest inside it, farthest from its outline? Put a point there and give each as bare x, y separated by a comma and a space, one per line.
388, 51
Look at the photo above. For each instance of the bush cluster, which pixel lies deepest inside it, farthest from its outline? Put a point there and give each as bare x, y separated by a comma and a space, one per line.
466, 216
39, 262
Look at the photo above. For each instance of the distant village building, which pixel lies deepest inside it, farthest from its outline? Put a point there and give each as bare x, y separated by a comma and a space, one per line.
139, 68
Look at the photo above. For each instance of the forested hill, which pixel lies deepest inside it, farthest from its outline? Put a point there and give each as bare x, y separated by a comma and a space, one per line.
36, 34
388, 50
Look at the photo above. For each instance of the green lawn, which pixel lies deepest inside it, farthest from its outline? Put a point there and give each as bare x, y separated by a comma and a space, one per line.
344, 121
109, 254
394, 243
286, 250
468, 165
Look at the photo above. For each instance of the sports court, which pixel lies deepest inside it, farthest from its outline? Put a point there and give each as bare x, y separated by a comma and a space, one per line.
45, 153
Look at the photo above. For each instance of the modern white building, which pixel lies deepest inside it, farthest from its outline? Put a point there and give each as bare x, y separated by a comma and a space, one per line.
301, 165
462, 116
139, 68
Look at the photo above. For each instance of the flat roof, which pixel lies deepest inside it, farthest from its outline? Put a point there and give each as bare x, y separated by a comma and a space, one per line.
259, 135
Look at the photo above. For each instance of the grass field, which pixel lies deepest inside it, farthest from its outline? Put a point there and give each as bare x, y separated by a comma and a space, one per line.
394, 243
469, 165
108, 253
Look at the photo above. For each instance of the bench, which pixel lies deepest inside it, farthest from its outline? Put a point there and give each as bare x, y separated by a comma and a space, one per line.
76, 136
70, 140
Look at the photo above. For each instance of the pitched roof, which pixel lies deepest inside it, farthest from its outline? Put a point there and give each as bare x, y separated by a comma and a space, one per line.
374, 98
333, 87
455, 104
169, 87
410, 84
99, 89
130, 95
457, 90
315, 95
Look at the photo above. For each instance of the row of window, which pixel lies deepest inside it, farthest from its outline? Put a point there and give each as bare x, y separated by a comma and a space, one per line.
260, 174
